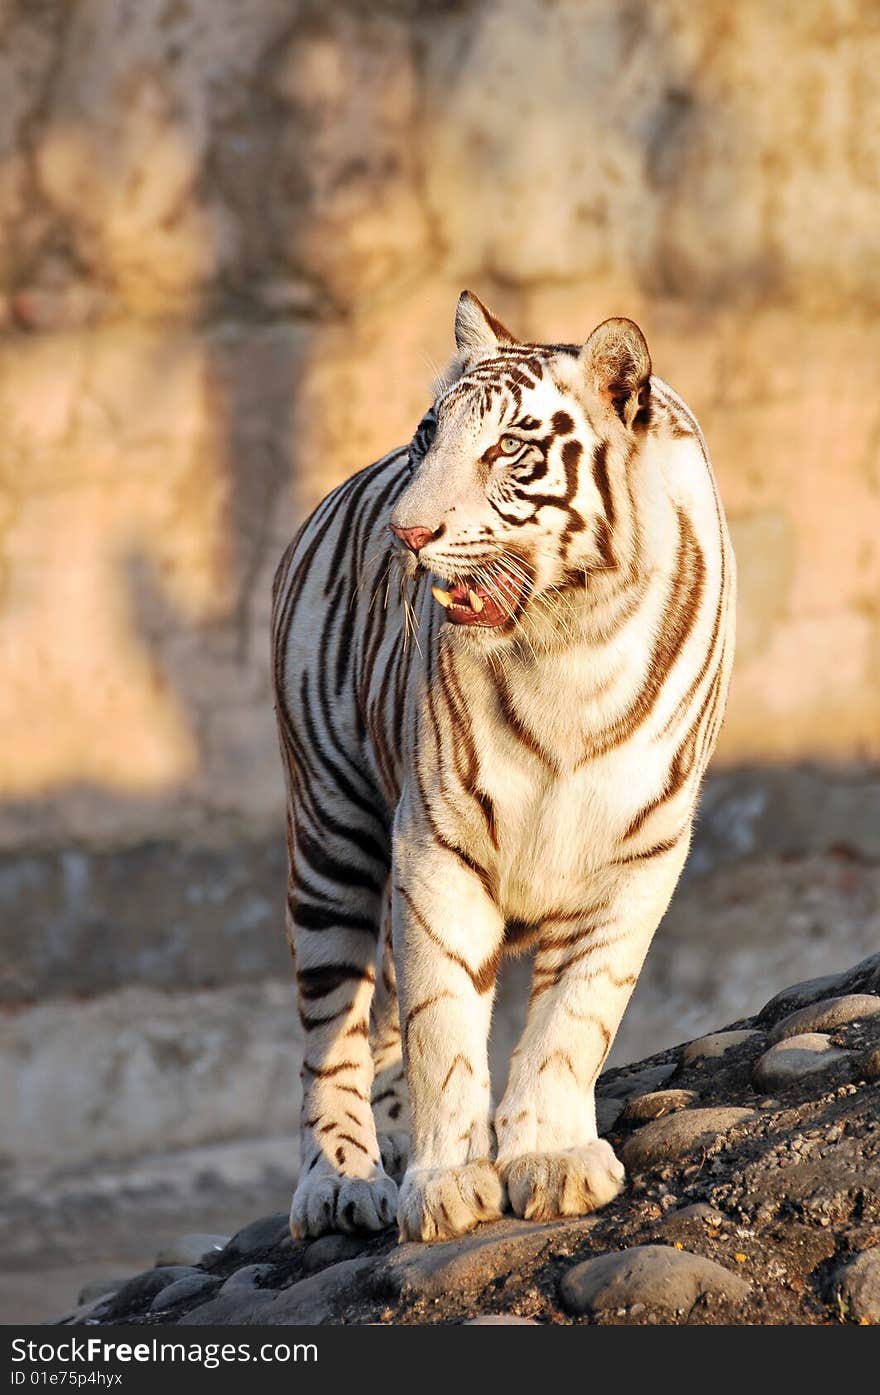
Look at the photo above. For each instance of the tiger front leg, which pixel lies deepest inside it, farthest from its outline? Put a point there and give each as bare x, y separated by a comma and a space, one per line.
447, 938
549, 1154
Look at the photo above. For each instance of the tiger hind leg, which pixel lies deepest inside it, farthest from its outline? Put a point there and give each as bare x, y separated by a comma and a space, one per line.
334, 913
389, 1096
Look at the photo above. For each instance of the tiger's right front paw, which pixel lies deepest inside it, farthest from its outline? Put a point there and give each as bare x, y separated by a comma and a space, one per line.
439, 1203
323, 1203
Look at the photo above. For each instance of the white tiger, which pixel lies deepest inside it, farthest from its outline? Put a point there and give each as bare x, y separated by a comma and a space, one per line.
494, 714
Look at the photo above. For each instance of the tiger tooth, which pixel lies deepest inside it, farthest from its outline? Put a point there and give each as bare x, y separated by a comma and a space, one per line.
476, 601
442, 597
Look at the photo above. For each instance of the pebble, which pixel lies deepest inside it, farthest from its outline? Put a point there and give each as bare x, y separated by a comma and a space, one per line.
637, 1082
99, 1288
716, 1044
858, 1283
501, 1320
86, 1314
192, 1249
268, 1233
194, 1287
473, 1261
825, 1015
795, 1057
811, 990
318, 1299
608, 1112
658, 1276
699, 1211
657, 1103
250, 1276
330, 1249
668, 1138
148, 1284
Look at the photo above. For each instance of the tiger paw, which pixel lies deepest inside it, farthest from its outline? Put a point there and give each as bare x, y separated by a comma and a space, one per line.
323, 1203
394, 1152
442, 1202
543, 1186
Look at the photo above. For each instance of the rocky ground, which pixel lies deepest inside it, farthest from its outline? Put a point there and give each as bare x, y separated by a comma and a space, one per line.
753, 1196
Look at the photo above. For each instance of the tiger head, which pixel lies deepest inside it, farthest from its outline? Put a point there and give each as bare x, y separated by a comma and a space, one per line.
510, 500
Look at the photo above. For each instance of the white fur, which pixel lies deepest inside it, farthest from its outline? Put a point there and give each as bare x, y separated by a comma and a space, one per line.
562, 815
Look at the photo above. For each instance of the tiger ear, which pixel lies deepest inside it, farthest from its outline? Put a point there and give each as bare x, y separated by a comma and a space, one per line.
476, 327
617, 367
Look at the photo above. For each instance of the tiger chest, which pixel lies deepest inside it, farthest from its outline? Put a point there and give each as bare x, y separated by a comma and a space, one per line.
555, 831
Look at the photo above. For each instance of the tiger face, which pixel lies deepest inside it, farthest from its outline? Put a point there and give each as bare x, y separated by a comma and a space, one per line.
510, 501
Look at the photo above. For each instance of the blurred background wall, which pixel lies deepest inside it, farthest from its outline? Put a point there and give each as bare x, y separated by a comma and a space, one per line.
231, 240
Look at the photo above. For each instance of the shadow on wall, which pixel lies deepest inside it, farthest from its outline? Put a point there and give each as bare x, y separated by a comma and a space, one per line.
149, 440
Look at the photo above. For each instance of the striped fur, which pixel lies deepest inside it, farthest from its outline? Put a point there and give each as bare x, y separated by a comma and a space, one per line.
515, 767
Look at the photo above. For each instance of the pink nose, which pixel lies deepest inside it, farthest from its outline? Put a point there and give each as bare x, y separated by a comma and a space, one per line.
414, 538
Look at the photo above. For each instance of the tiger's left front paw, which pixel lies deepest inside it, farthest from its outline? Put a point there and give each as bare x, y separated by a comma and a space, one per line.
543, 1186
439, 1203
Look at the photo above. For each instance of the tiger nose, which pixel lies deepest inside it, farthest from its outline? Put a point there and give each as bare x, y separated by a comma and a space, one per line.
414, 538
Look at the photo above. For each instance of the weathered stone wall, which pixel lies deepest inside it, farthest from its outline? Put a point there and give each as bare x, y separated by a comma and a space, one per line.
230, 241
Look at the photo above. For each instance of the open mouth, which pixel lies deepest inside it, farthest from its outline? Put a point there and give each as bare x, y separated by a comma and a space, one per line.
488, 603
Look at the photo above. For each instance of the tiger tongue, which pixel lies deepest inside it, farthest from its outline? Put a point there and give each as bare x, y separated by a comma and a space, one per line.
458, 596
486, 614
464, 605
461, 594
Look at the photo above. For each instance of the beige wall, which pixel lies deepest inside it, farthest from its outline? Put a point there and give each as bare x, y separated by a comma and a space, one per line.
231, 237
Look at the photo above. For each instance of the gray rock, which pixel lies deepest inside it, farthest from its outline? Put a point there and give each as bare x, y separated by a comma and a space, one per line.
472, 1261
714, 1045
666, 1280
695, 1213
193, 1288
330, 1249
608, 1112
192, 1249
99, 1288
669, 1138
268, 1233
248, 1277
93, 1312
635, 1082
794, 1058
316, 1300
811, 990
640, 1108
501, 1320
864, 975
825, 1015
858, 1284
146, 1285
